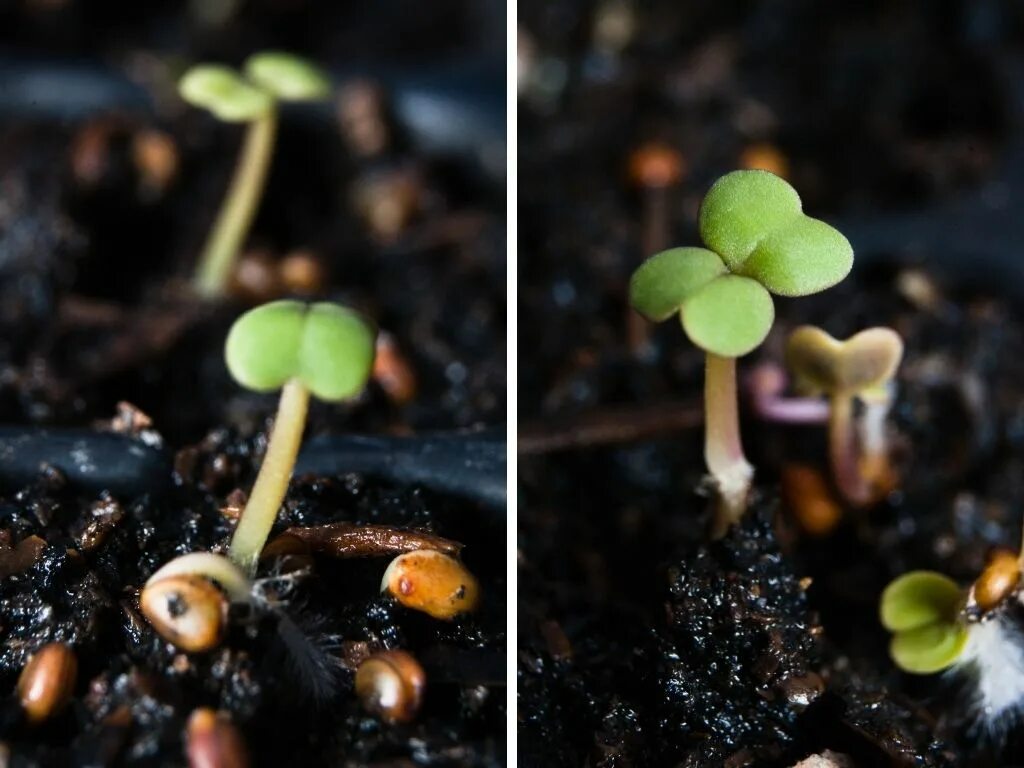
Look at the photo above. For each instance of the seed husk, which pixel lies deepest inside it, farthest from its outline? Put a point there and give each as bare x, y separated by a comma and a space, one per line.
187, 611
214, 742
390, 685
47, 681
432, 582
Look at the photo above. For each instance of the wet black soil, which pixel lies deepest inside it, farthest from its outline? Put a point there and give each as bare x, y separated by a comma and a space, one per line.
639, 643
94, 264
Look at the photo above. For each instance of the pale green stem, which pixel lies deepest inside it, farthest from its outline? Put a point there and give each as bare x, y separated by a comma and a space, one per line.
214, 567
842, 448
272, 482
723, 448
239, 207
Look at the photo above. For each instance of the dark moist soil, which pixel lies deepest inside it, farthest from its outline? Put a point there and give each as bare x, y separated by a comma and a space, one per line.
93, 312
639, 643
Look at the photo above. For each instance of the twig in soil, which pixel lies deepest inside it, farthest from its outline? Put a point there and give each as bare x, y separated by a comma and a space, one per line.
608, 426
252, 98
759, 242
344, 540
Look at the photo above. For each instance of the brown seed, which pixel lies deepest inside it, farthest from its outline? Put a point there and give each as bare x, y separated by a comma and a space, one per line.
47, 681
392, 371
155, 157
362, 115
807, 495
390, 685
432, 582
255, 278
656, 165
997, 581
302, 273
214, 742
389, 201
187, 611
765, 157
90, 151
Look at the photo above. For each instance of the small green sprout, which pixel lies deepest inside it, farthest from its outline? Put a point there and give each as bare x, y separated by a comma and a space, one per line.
923, 611
321, 349
862, 367
758, 242
252, 98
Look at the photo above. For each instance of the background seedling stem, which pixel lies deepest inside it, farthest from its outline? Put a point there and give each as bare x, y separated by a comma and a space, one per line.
842, 447
239, 207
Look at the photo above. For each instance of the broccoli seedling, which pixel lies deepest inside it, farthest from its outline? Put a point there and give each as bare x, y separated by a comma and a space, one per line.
759, 242
862, 367
250, 97
324, 350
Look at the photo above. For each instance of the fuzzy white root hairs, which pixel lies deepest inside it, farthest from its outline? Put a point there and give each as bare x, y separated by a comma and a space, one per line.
993, 664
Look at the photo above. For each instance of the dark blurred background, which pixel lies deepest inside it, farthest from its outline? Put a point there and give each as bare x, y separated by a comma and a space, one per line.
868, 104
898, 121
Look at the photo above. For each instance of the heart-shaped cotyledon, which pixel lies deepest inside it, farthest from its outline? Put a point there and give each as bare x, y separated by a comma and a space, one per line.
327, 347
821, 363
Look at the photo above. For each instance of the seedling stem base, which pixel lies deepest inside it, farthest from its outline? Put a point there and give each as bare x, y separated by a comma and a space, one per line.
239, 207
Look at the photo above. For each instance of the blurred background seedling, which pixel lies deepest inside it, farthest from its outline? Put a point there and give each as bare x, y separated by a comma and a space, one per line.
862, 368
249, 97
